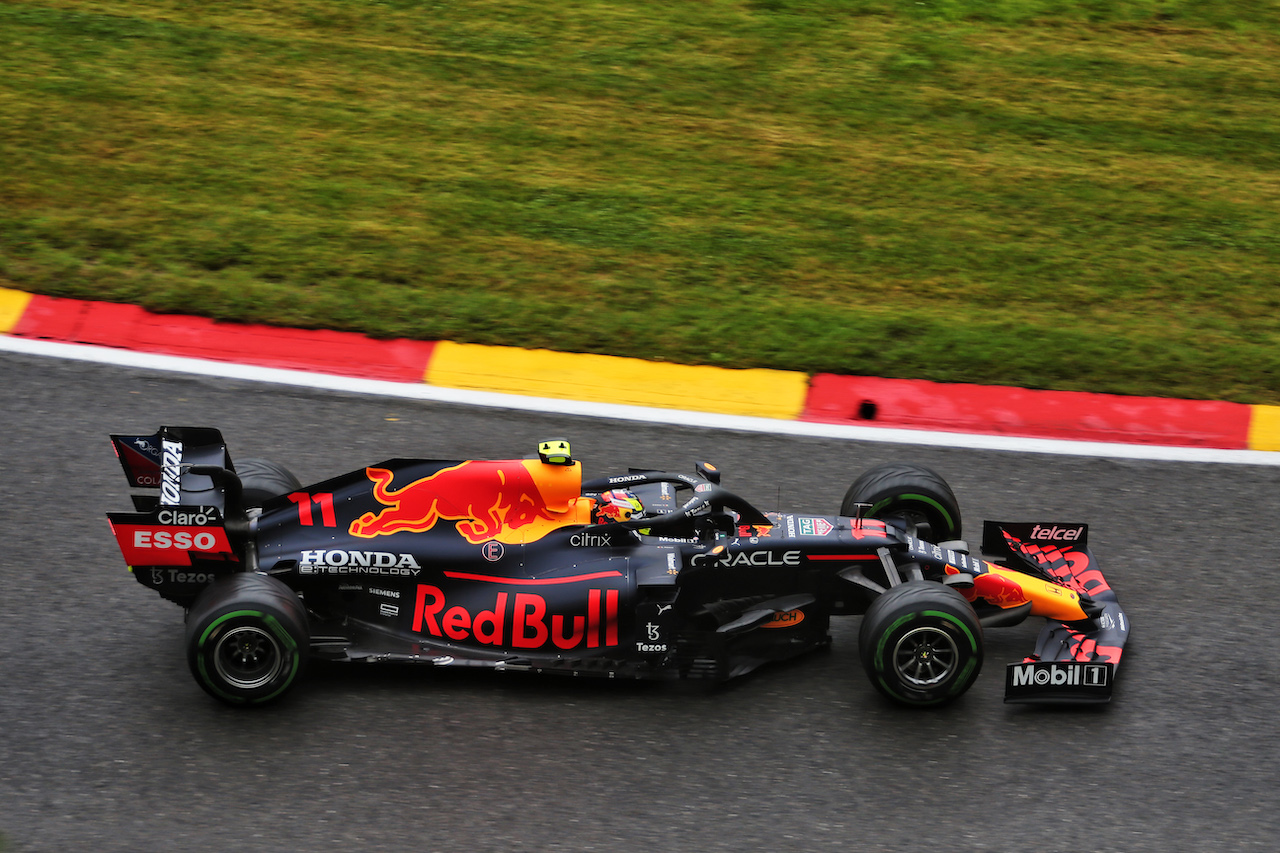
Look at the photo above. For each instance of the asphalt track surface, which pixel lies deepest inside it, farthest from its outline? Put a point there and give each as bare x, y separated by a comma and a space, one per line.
106, 743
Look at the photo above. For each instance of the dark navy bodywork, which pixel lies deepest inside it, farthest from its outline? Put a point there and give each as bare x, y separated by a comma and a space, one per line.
500, 564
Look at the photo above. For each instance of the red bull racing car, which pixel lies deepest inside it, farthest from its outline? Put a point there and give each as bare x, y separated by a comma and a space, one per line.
519, 564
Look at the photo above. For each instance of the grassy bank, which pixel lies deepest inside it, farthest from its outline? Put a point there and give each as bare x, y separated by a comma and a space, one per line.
1072, 195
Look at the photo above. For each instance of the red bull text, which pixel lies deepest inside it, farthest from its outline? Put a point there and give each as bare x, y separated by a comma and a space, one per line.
519, 620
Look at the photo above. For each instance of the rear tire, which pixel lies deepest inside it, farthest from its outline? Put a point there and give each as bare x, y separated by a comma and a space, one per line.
263, 480
911, 496
921, 644
247, 639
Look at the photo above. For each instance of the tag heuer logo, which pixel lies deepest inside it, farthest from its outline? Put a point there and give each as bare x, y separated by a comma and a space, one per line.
815, 527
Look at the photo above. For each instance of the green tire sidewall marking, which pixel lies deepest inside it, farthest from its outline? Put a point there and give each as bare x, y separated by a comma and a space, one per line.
884, 638
276, 628
948, 617
902, 698
958, 684
959, 679
924, 499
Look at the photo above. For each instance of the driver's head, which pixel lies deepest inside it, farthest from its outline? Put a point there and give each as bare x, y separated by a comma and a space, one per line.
615, 505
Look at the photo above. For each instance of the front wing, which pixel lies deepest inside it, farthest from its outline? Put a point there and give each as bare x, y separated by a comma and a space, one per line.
1072, 662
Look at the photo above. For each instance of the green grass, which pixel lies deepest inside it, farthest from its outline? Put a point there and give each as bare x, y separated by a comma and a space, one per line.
1046, 193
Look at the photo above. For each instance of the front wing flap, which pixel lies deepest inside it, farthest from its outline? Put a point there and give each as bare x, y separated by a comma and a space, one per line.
1072, 662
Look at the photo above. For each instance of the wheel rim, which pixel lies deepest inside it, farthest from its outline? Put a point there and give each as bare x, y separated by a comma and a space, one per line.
247, 657
925, 657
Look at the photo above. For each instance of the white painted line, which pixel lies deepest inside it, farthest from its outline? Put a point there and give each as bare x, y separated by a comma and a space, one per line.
414, 391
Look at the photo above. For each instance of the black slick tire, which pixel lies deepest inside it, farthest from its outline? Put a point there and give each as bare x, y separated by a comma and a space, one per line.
247, 639
911, 496
263, 480
921, 644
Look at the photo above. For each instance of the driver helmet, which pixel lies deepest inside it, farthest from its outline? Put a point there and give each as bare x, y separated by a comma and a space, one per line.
616, 505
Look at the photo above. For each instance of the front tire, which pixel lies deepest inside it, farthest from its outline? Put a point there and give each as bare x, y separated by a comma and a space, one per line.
921, 644
911, 496
247, 639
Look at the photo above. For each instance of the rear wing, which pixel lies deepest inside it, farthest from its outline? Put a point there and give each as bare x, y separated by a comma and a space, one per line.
1072, 662
192, 529
163, 461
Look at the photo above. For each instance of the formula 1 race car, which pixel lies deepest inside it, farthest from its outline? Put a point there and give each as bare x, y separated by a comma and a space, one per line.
520, 565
